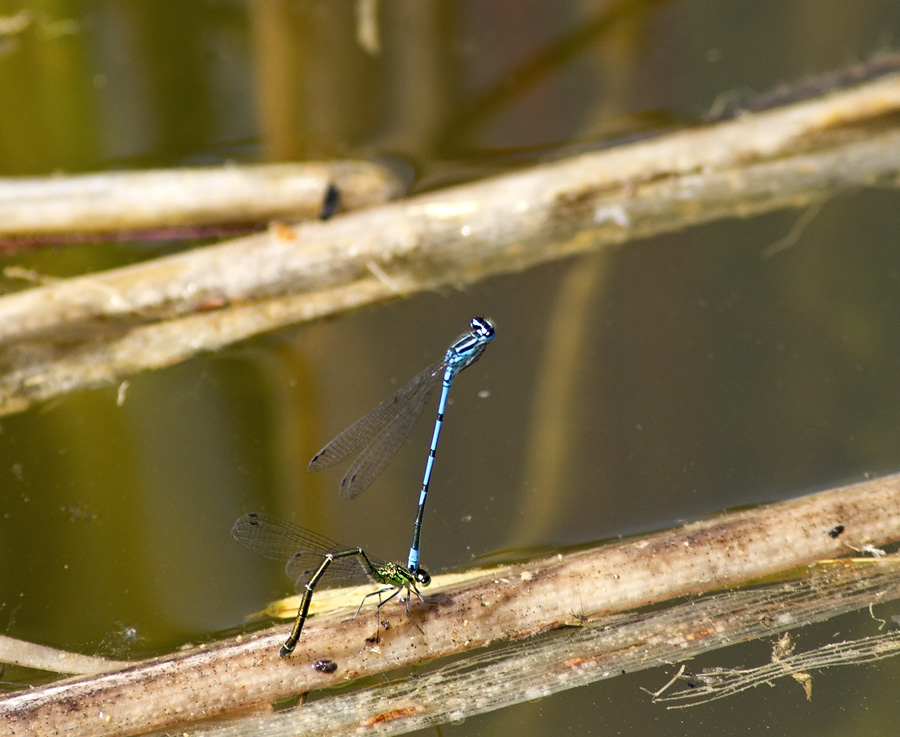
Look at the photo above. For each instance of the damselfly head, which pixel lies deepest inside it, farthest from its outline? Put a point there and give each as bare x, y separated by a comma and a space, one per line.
423, 578
482, 327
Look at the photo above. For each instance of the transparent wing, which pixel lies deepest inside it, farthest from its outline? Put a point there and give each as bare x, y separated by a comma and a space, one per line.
301, 550
377, 454
361, 432
378, 434
279, 539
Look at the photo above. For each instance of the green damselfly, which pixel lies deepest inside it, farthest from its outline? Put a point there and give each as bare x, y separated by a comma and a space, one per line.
310, 556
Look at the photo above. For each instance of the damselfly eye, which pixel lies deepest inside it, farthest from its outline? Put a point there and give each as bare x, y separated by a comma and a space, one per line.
423, 578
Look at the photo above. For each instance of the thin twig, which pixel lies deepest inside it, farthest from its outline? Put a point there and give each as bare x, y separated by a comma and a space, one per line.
604, 648
163, 199
31, 655
786, 158
723, 682
512, 605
